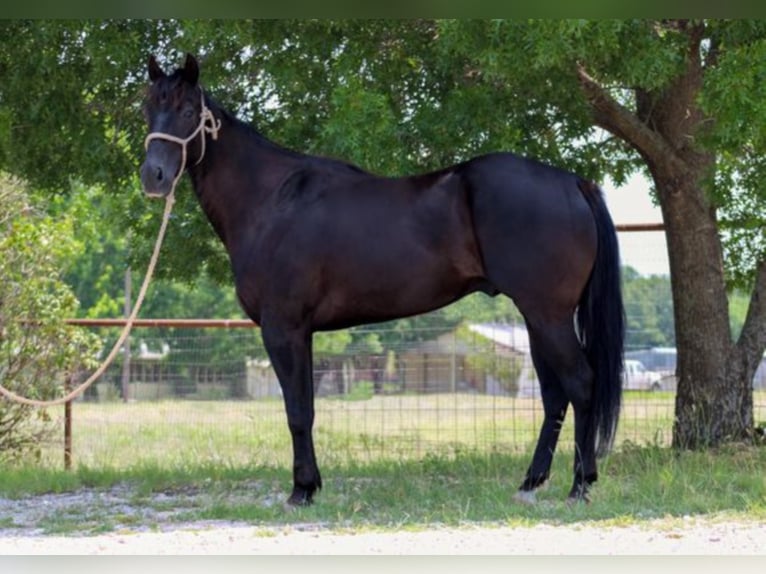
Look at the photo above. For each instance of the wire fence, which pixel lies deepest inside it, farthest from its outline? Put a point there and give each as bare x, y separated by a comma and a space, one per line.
461, 390
191, 394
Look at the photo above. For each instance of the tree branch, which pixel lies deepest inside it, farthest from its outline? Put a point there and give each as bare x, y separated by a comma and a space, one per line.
620, 121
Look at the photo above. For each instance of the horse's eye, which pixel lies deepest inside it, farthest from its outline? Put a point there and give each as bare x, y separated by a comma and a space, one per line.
188, 113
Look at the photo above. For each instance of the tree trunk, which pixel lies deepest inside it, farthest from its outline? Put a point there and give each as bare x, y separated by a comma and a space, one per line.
714, 400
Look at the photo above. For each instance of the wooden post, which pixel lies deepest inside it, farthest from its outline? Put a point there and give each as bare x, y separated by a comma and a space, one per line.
126, 360
68, 426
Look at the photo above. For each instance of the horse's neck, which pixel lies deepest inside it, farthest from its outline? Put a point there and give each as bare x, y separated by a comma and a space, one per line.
239, 172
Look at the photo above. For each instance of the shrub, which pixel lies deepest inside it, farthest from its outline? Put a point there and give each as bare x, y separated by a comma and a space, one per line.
37, 349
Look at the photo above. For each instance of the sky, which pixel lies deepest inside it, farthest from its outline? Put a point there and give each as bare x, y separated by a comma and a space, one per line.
631, 203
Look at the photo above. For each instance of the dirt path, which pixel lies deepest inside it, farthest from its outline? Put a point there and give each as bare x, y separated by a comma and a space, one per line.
690, 539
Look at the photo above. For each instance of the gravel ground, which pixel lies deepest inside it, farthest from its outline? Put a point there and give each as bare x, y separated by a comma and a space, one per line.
697, 538
22, 531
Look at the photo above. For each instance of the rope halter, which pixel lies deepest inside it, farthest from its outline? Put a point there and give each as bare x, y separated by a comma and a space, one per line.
205, 117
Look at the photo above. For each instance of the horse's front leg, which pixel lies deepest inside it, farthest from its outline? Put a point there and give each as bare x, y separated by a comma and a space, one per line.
290, 352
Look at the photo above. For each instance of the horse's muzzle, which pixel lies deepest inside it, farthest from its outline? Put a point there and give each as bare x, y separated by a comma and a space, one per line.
156, 181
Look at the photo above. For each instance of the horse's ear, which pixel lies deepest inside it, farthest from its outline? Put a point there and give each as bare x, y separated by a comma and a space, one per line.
155, 72
191, 69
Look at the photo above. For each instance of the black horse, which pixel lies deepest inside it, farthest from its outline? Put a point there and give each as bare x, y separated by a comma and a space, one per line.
318, 244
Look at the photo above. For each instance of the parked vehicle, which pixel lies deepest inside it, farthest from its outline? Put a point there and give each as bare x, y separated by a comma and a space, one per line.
636, 377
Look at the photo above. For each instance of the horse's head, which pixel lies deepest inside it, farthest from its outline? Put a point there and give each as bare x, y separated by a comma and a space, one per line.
178, 121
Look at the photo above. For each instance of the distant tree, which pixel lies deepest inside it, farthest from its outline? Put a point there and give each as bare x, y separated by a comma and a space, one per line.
648, 309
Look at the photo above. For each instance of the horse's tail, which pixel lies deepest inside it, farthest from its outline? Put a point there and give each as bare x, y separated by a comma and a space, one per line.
601, 323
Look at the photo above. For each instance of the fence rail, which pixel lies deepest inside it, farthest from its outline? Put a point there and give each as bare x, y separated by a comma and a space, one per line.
167, 323
639, 227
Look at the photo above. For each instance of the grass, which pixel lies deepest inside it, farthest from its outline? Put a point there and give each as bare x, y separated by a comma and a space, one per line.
637, 484
387, 462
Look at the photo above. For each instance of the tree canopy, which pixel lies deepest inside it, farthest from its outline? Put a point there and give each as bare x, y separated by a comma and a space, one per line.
393, 96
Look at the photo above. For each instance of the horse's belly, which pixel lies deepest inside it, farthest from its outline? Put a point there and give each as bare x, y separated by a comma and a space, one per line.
390, 294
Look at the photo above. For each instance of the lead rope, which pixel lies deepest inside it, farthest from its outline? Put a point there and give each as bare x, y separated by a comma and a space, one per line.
169, 200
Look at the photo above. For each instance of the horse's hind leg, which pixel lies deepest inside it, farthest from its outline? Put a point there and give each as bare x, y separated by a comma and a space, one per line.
560, 352
555, 405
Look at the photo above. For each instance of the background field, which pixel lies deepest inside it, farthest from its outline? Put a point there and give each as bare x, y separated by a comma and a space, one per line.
400, 427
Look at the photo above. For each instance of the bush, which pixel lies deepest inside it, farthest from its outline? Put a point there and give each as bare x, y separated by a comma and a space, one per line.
37, 349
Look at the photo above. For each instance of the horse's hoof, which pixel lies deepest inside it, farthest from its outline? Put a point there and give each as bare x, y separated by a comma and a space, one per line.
291, 505
299, 499
525, 497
